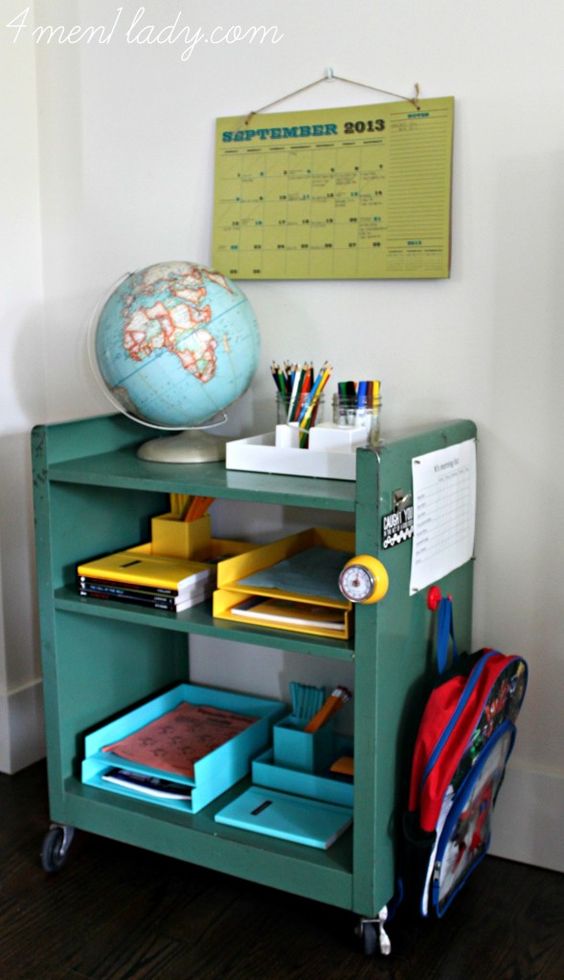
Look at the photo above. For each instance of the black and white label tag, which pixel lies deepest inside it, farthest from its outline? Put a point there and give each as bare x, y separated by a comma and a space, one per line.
397, 527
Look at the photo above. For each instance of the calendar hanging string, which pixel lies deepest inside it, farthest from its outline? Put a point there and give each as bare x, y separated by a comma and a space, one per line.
330, 76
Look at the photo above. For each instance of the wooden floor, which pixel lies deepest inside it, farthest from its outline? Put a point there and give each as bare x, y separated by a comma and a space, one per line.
117, 912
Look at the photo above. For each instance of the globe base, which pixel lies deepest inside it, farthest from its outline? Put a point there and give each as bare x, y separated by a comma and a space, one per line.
191, 446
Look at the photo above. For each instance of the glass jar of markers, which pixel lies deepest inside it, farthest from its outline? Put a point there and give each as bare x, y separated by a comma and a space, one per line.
348, 413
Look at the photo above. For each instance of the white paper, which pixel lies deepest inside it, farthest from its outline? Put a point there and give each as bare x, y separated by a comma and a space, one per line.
444, 512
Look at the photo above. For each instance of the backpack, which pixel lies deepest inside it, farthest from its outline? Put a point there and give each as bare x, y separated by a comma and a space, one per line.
464, 741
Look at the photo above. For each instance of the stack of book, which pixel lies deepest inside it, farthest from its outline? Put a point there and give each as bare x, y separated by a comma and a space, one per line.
144, 579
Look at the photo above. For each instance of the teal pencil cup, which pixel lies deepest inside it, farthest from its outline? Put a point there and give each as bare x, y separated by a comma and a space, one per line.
305, 751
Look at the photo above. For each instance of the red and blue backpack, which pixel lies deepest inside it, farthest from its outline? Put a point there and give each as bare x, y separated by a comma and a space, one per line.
465, 738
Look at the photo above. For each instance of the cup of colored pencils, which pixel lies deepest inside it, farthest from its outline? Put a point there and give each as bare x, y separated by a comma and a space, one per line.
188, 507
195, 508
299, 395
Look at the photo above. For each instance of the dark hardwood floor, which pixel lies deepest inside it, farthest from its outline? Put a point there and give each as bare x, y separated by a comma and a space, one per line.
117, 912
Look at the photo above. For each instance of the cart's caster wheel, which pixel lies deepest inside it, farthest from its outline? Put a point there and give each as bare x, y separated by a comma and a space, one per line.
55, 849
373, 934
369, 939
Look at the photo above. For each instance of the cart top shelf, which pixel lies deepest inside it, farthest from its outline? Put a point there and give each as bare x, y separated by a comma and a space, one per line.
123, 469
102, 451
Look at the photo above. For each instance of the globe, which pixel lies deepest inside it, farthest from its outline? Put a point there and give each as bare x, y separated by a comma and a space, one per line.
174, 345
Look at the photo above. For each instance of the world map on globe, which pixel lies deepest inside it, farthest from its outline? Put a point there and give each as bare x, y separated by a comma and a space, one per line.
175, 344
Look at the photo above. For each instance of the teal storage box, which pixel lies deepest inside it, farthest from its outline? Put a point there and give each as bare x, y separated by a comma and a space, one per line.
215, 773
326, 789
293, 818
305, 751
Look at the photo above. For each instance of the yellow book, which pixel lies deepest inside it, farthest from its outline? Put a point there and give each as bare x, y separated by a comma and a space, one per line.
136, 567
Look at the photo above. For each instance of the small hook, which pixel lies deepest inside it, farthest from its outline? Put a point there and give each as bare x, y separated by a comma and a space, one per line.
329, 74
435, 597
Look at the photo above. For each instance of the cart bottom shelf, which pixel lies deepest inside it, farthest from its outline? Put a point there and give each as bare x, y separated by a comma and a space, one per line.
324, 876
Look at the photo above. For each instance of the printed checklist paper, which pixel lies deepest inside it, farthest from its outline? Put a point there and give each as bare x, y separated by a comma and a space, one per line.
444, 512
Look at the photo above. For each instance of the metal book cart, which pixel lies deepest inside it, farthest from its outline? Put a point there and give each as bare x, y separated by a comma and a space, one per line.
94, 495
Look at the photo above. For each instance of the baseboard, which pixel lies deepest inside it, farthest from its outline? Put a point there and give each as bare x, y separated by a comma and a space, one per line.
527, 824
22, 739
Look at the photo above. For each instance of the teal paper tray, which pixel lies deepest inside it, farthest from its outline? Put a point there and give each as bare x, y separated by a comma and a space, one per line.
213, 774
326, 789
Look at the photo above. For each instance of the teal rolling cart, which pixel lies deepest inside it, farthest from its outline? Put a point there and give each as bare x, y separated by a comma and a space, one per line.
94, 495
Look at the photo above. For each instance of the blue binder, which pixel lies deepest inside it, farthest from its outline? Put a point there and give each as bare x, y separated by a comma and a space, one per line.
293, 818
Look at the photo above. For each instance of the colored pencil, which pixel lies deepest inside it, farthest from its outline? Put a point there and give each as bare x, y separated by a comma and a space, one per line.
197, 507
336, 700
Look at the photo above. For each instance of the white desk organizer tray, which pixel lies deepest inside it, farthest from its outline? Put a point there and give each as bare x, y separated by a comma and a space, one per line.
331, 453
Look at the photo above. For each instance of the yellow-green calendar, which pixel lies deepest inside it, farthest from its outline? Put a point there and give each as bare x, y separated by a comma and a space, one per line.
346, 193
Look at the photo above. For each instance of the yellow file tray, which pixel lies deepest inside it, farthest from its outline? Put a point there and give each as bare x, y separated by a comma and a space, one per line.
231, 571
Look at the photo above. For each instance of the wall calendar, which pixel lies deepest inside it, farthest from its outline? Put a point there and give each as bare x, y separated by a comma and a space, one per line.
347, 193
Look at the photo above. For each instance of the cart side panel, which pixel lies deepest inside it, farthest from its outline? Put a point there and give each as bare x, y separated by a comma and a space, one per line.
394, 649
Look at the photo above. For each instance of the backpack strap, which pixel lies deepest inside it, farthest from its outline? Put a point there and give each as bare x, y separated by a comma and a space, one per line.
445, 633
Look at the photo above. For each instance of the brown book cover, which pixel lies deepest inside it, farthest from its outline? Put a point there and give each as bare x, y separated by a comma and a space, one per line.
176, 740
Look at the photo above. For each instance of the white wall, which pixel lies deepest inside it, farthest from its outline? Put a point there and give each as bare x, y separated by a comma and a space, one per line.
22, 404
126, 154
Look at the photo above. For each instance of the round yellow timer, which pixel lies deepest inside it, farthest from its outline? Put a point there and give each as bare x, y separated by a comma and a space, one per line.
364, 579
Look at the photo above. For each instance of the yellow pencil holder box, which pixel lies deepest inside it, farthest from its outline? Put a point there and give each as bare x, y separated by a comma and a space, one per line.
180, 539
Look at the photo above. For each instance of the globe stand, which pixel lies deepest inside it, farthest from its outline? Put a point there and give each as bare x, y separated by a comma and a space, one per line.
191, 446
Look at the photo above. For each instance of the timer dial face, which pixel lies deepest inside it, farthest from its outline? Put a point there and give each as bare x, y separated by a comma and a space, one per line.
356, 583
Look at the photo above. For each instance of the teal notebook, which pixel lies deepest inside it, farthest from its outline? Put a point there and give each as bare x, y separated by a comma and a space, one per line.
294, 818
